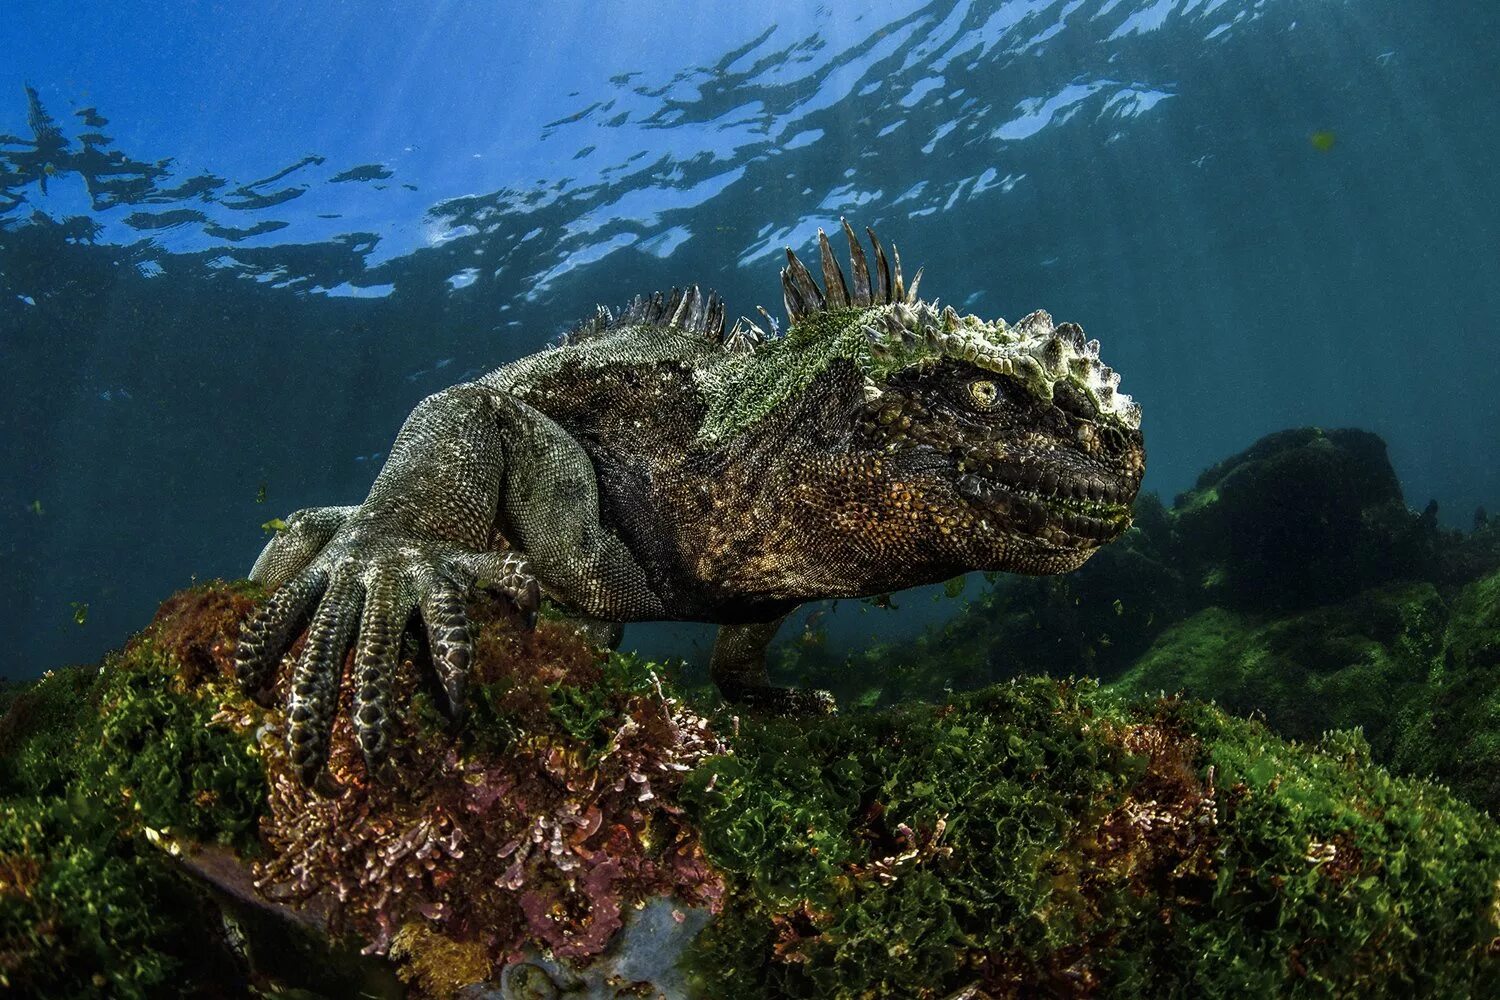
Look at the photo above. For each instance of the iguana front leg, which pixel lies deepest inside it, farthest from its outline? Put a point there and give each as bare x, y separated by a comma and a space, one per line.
470, 464
738, 669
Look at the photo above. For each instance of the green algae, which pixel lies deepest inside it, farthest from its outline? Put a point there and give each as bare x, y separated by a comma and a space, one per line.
83, 911
1045, 837
1417, 674
1451, 727
100, 769
1042, 837
782, 368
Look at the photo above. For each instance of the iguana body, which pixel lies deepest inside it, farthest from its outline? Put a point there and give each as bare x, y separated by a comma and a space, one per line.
655, 467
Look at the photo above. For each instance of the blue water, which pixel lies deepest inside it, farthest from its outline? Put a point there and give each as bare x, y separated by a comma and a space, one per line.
238, 242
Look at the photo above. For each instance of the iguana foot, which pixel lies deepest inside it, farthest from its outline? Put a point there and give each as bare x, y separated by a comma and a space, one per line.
360, 590
772, 700
738, 669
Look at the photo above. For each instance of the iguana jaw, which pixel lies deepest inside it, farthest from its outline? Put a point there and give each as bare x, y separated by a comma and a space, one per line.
1069, 512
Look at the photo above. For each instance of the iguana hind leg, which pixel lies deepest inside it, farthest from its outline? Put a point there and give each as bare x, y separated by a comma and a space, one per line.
738, 669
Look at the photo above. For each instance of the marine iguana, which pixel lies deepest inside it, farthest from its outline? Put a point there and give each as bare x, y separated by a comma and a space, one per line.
654, 466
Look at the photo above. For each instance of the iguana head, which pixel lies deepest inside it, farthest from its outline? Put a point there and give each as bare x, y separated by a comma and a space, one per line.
964, 443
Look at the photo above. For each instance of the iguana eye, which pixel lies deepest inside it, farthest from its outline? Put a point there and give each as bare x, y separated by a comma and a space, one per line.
983, 394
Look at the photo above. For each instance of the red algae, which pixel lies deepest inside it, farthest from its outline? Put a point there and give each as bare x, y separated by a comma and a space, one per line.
525, 838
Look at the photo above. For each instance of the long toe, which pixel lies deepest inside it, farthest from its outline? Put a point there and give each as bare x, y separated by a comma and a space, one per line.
269, 632
315, 685
297, 544
451, 640
388, 604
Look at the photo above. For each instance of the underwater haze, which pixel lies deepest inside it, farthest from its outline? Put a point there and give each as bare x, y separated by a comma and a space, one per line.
239, 242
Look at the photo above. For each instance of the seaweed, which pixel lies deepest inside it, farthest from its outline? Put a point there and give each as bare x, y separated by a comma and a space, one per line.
1046, 838
1037, 837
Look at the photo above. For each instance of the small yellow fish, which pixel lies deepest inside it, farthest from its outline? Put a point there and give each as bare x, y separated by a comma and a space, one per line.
80, 611
274, 524
36, 507
260, 494
1322, 140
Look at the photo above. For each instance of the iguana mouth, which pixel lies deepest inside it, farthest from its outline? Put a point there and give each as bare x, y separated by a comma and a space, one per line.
1057, 507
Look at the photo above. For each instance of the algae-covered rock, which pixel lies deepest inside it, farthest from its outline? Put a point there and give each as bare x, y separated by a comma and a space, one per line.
1451, 727
1040, 838
588, 833
1419, 674
542, 824
1358, 663
1301, 517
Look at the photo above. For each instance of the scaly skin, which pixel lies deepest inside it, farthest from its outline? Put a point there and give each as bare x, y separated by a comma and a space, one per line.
655, 467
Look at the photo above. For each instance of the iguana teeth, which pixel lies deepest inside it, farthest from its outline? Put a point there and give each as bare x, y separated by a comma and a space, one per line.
836, 291
860, 264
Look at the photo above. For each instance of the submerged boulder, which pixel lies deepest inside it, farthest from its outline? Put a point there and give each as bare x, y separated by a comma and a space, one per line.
1302, 517
589, 832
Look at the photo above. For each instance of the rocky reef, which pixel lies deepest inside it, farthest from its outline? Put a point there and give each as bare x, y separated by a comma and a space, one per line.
594, 829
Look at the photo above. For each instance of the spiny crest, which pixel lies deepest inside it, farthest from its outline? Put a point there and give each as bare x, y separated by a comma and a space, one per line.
890, 329
686, 308
803, 297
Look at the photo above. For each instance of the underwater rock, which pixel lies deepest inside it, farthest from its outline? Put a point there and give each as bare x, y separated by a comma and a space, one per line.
588, 833
1362, 663
1299, 518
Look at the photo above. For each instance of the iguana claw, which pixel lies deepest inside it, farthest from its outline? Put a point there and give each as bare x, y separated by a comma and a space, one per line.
360, 589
